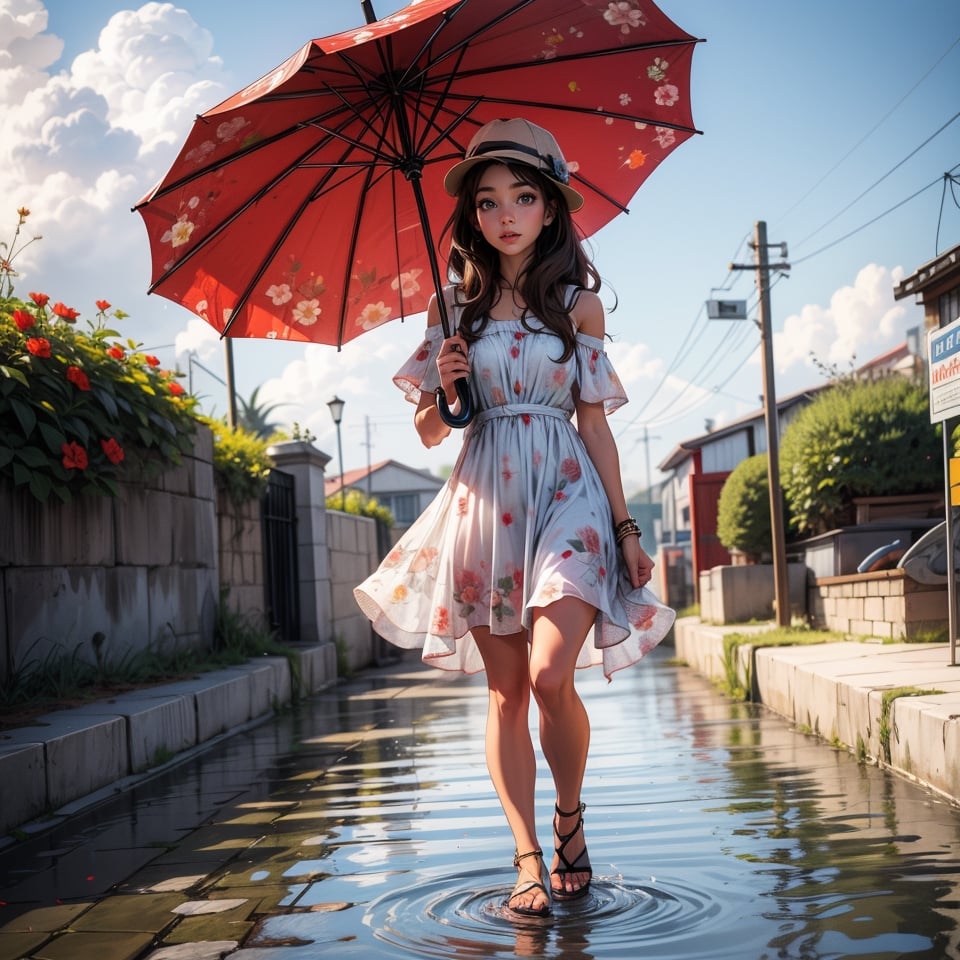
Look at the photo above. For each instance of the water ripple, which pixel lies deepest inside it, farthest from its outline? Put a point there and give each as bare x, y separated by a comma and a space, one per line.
465, 916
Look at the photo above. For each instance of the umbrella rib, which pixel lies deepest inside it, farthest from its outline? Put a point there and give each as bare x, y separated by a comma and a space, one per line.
584, 111
349, 261
234, 215
233, 157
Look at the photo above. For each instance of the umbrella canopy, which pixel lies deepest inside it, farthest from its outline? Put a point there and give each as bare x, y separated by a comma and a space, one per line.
309, 205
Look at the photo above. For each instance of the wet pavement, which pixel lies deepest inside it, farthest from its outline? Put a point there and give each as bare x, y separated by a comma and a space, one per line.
364, 825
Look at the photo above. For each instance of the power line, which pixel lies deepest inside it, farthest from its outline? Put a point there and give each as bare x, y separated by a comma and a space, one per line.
876, 183
869, 223
872, 130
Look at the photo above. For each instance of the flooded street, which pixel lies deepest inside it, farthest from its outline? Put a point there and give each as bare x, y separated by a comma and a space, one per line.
365, 826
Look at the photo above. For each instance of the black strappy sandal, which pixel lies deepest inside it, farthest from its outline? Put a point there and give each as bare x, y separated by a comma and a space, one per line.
519, 891
576, 866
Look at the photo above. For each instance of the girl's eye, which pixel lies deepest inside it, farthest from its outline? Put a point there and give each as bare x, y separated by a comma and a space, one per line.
527, 198
485, 204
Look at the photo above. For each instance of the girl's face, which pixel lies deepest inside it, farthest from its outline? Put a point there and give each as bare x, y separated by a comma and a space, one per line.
510, 213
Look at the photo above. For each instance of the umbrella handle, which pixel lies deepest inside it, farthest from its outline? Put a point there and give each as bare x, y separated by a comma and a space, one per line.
466, 413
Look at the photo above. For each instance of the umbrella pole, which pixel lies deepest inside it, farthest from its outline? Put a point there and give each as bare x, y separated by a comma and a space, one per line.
367, 6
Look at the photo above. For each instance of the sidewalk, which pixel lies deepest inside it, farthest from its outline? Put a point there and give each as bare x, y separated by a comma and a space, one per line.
872, 698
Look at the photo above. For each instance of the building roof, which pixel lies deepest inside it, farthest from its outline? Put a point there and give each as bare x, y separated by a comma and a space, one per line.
930, 274
357, 478
891, 360
686, 448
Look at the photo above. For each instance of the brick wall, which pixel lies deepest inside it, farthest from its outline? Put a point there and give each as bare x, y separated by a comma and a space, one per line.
886, 604
240, 554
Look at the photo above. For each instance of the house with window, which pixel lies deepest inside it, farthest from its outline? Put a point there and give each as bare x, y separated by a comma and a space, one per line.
404, 491
696, 470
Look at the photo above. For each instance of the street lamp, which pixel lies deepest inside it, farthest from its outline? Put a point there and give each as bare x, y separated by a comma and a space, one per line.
336, 411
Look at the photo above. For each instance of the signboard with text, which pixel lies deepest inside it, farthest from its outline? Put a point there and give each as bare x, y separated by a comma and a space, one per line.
943, 349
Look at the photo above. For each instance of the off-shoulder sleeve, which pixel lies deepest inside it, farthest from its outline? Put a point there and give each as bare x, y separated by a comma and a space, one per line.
420, 372
598, 380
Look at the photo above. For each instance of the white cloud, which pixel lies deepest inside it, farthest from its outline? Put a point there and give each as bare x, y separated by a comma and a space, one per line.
861, 321
112, 119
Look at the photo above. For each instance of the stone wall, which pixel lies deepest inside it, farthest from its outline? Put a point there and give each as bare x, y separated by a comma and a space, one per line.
352, 542
101, 578
886, 604
240, 555
736, 594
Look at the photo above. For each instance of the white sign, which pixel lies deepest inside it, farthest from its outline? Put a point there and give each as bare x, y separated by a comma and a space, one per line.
943, 350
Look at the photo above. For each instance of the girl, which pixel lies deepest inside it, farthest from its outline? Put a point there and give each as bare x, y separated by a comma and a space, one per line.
527, 564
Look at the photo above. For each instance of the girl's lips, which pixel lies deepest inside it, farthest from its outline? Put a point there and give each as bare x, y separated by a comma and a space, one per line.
509, 236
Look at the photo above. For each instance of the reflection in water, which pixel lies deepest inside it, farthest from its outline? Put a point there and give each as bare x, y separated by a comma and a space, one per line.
365, 826
716, 832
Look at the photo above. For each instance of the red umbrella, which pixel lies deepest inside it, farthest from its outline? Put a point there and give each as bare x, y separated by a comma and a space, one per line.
308, 205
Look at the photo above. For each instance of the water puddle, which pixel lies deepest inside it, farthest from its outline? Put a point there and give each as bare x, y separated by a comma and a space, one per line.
365, 826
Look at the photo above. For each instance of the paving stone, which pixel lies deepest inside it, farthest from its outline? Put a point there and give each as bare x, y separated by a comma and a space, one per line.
203, 950
16, 946
46, 919
101, 946
221, 927
151, 912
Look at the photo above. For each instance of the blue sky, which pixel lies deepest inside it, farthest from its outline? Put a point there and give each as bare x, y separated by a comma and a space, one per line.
814, 114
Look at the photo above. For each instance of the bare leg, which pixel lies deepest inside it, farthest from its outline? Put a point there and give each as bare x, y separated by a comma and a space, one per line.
509, 749
558, 634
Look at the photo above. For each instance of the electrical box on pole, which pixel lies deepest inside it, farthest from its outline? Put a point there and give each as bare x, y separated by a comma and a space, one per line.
726, 309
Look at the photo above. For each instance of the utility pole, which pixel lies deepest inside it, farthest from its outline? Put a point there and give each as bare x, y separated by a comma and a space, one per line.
231, 395
771, 417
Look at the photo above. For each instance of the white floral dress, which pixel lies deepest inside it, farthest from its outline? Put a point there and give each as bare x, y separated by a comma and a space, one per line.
523, 519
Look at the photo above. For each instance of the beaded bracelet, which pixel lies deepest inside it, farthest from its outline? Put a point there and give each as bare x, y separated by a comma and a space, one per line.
626, 528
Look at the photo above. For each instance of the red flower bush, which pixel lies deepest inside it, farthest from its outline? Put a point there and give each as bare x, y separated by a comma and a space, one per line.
103, 305
175, 388
23, 320
116, 352
39, 346
112, 450
78, 378
74, 456
40, 299
151, 360
65, 313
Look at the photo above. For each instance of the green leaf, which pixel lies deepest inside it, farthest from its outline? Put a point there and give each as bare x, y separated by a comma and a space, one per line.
109, 404
32, 456
14, 374
40, 486
6, 455
53, 437
21, 474
24, 413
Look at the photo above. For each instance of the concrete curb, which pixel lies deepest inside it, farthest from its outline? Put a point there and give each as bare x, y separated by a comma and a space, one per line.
843, 693
77, 754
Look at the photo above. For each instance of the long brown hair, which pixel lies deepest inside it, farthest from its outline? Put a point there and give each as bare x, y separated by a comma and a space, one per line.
558, 261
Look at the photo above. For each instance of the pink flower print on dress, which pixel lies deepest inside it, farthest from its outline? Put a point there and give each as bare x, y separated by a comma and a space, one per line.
468, 591
462, 506
514, 351
497, 396
507, 518
560, 376
441, 621
590, 539
507, 471
594, 357
425, 559
517, 387
570, 469
393, 557
643, 618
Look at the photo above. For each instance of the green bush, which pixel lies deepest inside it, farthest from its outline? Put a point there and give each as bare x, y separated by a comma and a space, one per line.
80, 409
241, 466
743, 511
858, 439
359, 504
